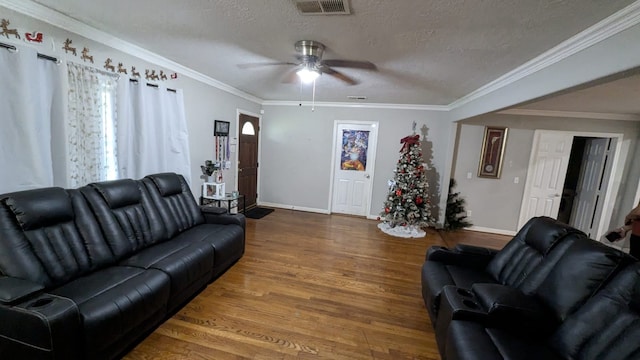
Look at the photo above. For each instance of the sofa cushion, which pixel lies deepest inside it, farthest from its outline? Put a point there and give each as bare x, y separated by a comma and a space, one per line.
583, 269
59, 248
119, 193
608, 326
113, 301
527, 250
174, 201
189, 265
226, 240
129, 224
40, 208
167, 183
468, 340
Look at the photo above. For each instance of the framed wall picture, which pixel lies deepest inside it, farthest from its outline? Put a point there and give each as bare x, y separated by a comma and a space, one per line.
221, 128
491, 156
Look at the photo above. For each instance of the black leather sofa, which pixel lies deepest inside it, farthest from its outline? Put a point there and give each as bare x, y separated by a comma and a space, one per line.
550, 293
86, 273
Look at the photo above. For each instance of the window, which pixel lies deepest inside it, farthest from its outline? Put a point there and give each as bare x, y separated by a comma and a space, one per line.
248, 129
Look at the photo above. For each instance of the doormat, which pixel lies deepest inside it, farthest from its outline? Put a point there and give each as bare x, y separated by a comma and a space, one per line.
258, 212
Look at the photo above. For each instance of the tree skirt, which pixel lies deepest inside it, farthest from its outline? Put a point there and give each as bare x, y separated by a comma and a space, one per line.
410, 231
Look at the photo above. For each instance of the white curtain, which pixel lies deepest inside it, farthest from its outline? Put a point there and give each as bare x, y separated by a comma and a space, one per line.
152, 131
31, 100
91, 125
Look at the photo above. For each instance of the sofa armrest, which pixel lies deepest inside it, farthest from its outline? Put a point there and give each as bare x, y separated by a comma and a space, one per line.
460, 256
224, 219
470, 249
508, 307
47, 326
13, 290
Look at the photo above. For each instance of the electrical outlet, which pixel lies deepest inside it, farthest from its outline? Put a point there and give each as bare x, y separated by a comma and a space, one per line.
469, 212
469, 175
516, 180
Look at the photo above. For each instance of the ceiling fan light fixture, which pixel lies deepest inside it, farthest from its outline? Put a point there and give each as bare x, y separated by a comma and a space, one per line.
308, 75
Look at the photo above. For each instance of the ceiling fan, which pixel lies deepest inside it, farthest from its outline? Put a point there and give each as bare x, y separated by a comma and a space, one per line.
310, 64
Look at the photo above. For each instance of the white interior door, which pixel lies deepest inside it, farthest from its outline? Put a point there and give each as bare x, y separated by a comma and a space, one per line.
590, 189
546, 175
354, 158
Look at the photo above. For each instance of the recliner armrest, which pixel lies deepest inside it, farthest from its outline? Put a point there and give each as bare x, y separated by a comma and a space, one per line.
470, 249
225, 219
508, 307
13, 290
461, 257
45, 327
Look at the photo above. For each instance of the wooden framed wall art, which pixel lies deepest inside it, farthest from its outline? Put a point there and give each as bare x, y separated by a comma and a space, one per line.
493, 145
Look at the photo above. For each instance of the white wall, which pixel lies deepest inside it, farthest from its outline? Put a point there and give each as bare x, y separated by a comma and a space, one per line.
495, 204
296, 149
203, 103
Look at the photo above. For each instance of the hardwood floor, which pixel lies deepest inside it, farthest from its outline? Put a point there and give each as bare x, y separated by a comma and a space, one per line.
311, 286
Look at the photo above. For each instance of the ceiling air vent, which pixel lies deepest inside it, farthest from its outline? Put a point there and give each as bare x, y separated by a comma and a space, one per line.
327, 7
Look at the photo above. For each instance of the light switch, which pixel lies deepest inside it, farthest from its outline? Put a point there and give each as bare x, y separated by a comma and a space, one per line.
516, 180
469, 175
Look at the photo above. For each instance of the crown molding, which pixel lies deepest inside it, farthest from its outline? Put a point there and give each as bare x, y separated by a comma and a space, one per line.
571, 114
357, 105
608, 27
45, 14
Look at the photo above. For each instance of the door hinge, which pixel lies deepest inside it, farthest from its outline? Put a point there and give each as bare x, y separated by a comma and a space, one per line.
257, 164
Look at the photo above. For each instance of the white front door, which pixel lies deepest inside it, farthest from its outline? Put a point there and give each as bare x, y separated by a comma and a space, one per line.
591, 186
354, 158
545, 178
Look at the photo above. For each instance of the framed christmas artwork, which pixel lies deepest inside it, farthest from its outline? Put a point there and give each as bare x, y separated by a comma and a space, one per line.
492, 152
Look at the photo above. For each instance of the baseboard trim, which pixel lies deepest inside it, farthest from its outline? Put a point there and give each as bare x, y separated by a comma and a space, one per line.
492, 231
293, 207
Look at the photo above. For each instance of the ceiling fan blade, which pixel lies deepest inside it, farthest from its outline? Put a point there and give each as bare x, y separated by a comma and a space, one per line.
261, 64
329, 71
367, 65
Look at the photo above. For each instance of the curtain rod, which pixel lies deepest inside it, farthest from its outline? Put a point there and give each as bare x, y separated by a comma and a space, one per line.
41, 56
51, 58
152, 85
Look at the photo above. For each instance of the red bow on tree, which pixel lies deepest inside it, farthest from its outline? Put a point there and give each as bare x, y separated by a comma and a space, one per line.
408, 141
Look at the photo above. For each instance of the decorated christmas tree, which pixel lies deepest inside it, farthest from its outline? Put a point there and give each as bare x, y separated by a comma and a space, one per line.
456, 215
407, 208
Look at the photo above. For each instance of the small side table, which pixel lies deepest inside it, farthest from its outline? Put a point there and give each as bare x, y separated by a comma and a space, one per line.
230, 202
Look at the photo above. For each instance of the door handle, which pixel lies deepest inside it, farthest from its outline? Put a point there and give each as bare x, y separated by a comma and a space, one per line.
367, 176
239, 170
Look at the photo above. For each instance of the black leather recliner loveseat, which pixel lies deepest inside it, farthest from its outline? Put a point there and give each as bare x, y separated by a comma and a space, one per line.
86, 273
550, 293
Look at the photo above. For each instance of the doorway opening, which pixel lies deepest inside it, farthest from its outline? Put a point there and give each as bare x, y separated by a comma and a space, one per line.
588, 174
570, 178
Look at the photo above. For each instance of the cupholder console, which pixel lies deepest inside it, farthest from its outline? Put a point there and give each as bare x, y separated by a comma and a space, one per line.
456, 304
39, 303
60, 323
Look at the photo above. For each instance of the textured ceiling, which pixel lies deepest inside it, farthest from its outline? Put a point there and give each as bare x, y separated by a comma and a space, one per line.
616, 97
429, 52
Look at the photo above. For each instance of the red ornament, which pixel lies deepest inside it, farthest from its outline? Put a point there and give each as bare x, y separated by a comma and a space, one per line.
378, 218
398, 192
386, 210
419, 200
